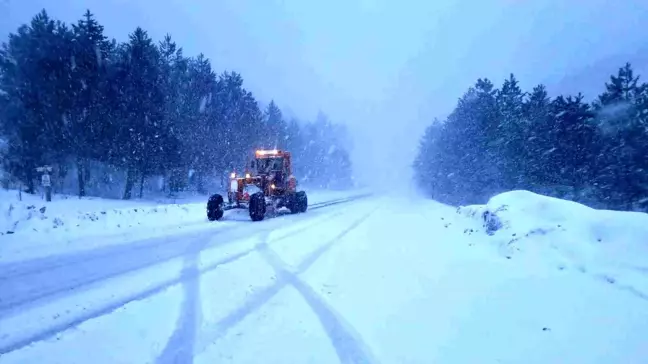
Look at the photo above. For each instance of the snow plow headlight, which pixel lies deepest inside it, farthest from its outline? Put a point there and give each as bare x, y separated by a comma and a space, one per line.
267, 152
247, 175
273, 186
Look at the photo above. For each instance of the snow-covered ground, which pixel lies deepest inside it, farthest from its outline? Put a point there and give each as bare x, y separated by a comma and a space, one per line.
377, 280
609, 245
31, 227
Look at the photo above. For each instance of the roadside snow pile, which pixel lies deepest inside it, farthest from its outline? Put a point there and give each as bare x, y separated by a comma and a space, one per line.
43, 218
64, 214
611, 245
33, 228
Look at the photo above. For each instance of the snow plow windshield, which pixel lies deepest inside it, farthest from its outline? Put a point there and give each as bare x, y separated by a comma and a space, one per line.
267, 165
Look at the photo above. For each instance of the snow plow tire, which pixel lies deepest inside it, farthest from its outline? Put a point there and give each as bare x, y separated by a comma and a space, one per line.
257, 206
215, 207
301, 201
292, 203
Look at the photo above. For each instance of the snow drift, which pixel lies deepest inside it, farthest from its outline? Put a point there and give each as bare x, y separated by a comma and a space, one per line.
31, 227
611, 245
64, 214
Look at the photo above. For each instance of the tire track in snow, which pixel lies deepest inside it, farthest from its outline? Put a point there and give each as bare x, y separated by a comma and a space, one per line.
348, 345
65, 325
22, 290
620, 286
179, 348
61, 326
14, 270
87, 274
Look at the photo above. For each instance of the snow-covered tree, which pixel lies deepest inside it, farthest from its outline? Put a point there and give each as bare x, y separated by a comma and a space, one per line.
71, 98
562, 146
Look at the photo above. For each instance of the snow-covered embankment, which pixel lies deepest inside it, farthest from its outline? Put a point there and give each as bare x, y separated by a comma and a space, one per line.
610, 245
34, 228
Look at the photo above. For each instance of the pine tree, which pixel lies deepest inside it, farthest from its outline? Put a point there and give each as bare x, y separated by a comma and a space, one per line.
35, 75
73, 97
474, 129
537, 144
173, 84
141, 104
275, 126
621, 114
572, 135
512, 132
91, 50
295, 144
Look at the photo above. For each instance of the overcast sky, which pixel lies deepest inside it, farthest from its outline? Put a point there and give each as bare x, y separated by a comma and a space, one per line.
385, 68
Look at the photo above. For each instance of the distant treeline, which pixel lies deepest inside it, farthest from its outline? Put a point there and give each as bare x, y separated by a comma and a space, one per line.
71, 98
505, 139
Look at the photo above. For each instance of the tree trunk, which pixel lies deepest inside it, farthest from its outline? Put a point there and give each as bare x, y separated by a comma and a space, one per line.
172, 182
29, 179
142, 179
200, 182
81, 176
130, 181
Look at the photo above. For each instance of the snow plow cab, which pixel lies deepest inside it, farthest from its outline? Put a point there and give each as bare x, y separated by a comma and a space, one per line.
267, 183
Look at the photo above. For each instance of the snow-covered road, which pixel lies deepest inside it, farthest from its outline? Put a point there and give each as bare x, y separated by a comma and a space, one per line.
375, 280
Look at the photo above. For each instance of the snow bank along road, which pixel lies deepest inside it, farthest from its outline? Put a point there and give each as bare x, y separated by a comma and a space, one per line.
374, 280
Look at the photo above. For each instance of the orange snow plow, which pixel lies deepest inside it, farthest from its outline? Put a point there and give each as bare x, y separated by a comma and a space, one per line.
266, 184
